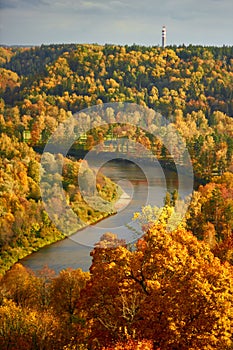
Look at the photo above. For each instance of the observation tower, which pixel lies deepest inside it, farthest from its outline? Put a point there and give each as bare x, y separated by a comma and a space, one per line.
164, 37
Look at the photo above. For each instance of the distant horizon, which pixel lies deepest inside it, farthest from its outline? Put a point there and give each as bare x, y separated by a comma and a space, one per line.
111, 44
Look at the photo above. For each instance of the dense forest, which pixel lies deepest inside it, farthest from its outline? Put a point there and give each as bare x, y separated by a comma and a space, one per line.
172, 290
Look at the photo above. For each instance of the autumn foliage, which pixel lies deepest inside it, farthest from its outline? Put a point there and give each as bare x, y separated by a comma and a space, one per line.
24, 224
172, 290
190, 86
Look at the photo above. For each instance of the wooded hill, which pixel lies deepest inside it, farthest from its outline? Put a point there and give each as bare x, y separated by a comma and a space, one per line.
191, 86
173, 290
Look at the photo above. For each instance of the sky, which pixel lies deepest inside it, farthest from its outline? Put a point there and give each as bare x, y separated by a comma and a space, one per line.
36, 22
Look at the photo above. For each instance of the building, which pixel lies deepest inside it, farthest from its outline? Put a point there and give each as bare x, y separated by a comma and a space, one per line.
163, 37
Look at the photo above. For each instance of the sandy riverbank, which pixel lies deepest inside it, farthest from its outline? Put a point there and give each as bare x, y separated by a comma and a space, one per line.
122, 202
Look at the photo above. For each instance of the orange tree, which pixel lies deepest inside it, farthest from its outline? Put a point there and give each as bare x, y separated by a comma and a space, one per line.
170, 290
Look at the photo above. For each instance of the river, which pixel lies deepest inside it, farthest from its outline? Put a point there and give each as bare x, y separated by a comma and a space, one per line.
143, 184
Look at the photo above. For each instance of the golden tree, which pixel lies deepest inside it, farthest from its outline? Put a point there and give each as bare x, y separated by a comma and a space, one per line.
170, 289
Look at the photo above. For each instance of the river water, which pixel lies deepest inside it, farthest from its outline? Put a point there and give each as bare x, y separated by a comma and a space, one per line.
143, 184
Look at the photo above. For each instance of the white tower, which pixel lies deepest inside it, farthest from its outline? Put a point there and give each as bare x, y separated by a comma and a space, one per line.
163, 37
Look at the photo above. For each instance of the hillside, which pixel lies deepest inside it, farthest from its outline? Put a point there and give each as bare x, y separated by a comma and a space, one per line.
172, 290
191, 86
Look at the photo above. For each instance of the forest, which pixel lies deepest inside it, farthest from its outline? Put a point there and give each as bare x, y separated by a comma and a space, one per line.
172, 289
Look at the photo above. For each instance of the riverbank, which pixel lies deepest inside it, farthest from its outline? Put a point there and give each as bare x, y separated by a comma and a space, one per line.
75, 252
42, 232
122, 202
14, 255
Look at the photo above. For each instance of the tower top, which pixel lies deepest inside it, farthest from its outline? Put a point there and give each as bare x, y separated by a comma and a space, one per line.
164, 32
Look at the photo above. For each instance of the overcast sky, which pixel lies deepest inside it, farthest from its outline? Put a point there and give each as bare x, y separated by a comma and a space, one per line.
36, 22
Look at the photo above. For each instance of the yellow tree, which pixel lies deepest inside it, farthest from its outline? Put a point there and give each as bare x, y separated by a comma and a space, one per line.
170, 289
65, 291
24, 329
